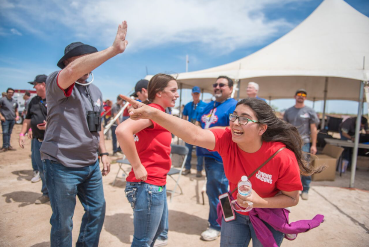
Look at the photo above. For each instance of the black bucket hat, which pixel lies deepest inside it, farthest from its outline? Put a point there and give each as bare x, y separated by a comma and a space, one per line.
38, 79
75, 49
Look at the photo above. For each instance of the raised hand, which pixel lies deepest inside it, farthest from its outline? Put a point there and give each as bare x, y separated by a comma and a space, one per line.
120, 42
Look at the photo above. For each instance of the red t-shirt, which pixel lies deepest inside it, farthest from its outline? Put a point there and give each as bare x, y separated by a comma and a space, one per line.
153, 148
106, 108
125, 112
280, 173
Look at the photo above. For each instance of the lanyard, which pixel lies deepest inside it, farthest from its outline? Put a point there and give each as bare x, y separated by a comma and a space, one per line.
89, 96
213, 109
43, 108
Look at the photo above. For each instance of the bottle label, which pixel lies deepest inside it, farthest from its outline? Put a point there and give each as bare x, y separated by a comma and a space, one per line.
244, 190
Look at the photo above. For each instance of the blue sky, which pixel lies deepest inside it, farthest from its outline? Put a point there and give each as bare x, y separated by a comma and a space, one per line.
33, 35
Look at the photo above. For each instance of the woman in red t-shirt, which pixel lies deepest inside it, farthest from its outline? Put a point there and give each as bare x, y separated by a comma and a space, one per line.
147, 147
254, 135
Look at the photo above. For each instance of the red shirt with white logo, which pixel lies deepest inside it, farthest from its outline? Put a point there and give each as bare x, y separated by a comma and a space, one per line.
153, 148
280, 173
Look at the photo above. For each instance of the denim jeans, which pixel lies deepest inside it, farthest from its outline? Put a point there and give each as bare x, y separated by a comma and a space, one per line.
216, 184
7, 126
64, 184
150, 211
164, 234
306, 180
114, 139
240, 231
36, 157
200, 159
33, 161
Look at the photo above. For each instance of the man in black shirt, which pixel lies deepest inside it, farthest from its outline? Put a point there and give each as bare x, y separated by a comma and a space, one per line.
36, 118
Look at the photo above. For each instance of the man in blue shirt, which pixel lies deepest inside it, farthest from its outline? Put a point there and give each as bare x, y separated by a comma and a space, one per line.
190, 112
216, 114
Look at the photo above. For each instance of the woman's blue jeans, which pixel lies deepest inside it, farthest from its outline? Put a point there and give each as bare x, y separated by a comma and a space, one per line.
64, 184
216, 184
150, 211
239, 232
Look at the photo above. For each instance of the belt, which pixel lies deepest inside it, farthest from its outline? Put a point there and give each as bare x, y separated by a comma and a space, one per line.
40, 140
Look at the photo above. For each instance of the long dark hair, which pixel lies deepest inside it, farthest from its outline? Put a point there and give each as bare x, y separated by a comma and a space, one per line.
157, 84
280, 131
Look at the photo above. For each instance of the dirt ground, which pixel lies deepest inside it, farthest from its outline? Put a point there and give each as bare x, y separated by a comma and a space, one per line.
22, 223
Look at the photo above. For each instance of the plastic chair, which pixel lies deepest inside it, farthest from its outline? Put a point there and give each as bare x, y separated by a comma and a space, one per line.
121, 162
182, 151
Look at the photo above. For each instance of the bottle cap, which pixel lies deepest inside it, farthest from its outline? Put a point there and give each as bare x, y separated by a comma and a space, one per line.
244, 178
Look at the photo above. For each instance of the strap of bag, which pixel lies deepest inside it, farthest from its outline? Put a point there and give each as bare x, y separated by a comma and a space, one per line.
257, 169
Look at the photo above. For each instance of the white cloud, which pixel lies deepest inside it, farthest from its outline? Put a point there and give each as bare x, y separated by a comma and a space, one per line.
15, 31
217, 26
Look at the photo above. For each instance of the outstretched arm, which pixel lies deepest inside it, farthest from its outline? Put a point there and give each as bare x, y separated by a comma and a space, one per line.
87, 63
185, 130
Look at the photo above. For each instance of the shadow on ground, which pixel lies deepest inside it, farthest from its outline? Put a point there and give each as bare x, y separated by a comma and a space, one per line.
121, 225
24, 175
43, 244
25, 198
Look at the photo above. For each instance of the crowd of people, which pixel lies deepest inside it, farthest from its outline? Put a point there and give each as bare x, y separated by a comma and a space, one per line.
66, 120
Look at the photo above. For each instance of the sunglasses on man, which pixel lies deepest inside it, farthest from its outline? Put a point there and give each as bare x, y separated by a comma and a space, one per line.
220, 85
301, 94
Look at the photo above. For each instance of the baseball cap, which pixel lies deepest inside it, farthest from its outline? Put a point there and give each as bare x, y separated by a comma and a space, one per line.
38, 79
143, 83
301, 90
196, 89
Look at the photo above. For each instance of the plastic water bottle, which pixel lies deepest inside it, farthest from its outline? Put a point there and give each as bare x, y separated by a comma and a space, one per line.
244, 186
244, 189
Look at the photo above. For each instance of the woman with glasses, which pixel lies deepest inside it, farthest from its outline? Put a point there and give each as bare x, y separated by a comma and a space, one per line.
147, 147
254, 135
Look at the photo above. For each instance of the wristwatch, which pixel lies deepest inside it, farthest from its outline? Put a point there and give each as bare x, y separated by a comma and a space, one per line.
107, 154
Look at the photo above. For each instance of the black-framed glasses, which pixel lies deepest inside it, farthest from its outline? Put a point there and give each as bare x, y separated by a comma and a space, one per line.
241, 120
220, 85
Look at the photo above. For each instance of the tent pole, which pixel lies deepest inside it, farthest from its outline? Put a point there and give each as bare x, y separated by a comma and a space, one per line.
238, 91
180, 100
313, 103
324, 104
270, 100
202, 94
357, 133
180, 106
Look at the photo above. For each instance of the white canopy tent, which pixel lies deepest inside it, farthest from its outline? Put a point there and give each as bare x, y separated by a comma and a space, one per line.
325, 54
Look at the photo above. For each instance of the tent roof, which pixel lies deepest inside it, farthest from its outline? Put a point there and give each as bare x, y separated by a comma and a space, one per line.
331, 43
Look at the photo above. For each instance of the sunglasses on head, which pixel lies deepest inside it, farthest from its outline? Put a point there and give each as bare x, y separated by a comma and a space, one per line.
301, 94
220, 85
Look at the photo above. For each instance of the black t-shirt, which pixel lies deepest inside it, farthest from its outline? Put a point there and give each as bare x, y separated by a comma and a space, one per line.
37, 112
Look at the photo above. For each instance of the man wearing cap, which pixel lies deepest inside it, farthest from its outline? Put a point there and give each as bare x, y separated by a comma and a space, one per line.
216, 114
36, 119
305, 120
8, 115
252, 90
73, 139
141, 90
191, 112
